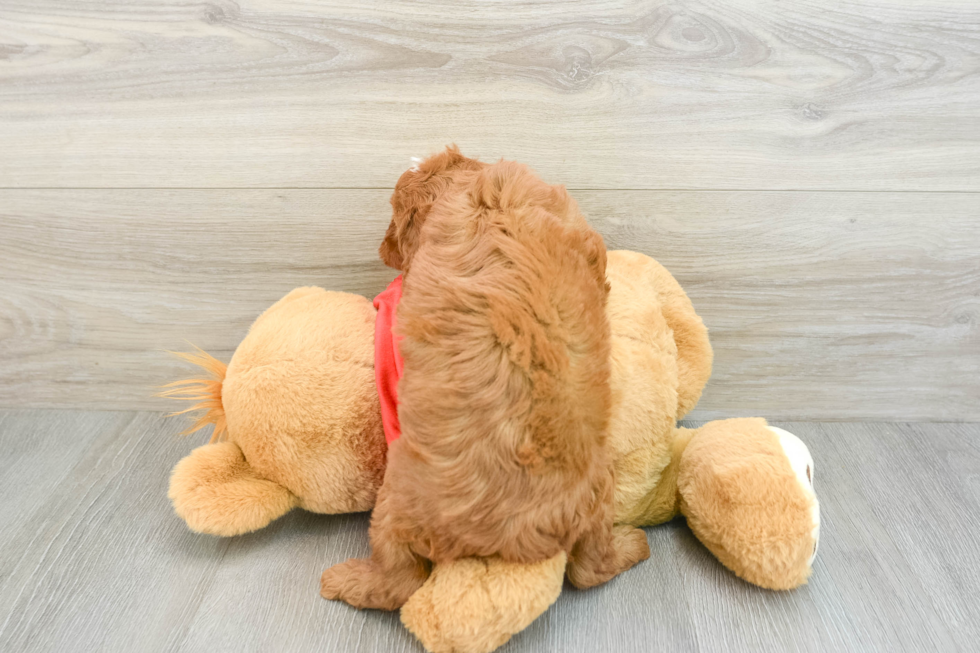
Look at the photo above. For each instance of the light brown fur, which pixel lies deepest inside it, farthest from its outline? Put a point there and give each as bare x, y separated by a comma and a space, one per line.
472, 601
746, 505
504, 402
302, 415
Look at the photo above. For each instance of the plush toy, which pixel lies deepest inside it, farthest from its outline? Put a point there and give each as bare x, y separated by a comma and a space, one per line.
297, 423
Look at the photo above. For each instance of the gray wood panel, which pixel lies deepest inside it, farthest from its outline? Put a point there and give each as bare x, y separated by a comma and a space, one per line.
872, 95
820, 305
93, 557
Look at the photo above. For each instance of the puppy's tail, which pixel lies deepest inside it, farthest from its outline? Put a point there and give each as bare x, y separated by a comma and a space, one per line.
204, 392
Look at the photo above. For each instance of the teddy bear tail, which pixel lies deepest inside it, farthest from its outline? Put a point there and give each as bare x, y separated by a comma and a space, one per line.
204, 392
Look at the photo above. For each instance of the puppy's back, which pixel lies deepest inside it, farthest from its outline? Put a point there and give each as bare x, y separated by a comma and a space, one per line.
505, 399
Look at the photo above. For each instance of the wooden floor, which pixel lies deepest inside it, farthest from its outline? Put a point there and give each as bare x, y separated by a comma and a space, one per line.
92, 557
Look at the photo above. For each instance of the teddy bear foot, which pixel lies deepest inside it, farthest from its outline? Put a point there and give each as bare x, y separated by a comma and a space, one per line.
217, 492
746, 489
474, 605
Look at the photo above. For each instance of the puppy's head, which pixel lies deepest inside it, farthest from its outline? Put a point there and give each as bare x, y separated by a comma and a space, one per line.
415, 193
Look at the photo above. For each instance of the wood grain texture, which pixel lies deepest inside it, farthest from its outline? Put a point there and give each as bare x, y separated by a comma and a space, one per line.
820, 305
93, 558
722, 94
103, 564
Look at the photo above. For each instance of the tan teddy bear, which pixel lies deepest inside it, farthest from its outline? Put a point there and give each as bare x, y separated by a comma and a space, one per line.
298, 424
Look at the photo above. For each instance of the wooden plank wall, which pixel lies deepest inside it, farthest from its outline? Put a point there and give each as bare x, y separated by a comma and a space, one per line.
810, 172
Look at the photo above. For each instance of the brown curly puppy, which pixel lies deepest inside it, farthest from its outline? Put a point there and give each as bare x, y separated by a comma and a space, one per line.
505, 399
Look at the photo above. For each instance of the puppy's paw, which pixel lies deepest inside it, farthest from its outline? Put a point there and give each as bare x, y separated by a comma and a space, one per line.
346, 582
631, 545
363, 585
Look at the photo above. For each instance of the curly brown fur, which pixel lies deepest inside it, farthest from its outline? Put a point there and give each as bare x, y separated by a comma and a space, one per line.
415, 193
505, 401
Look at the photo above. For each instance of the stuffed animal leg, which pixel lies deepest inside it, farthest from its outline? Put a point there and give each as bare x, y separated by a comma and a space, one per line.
217, 492
475, 605
746, 489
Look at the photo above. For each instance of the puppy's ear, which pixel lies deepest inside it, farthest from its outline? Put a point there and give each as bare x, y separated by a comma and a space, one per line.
595, 253
389, 251
409, 204
416, 191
